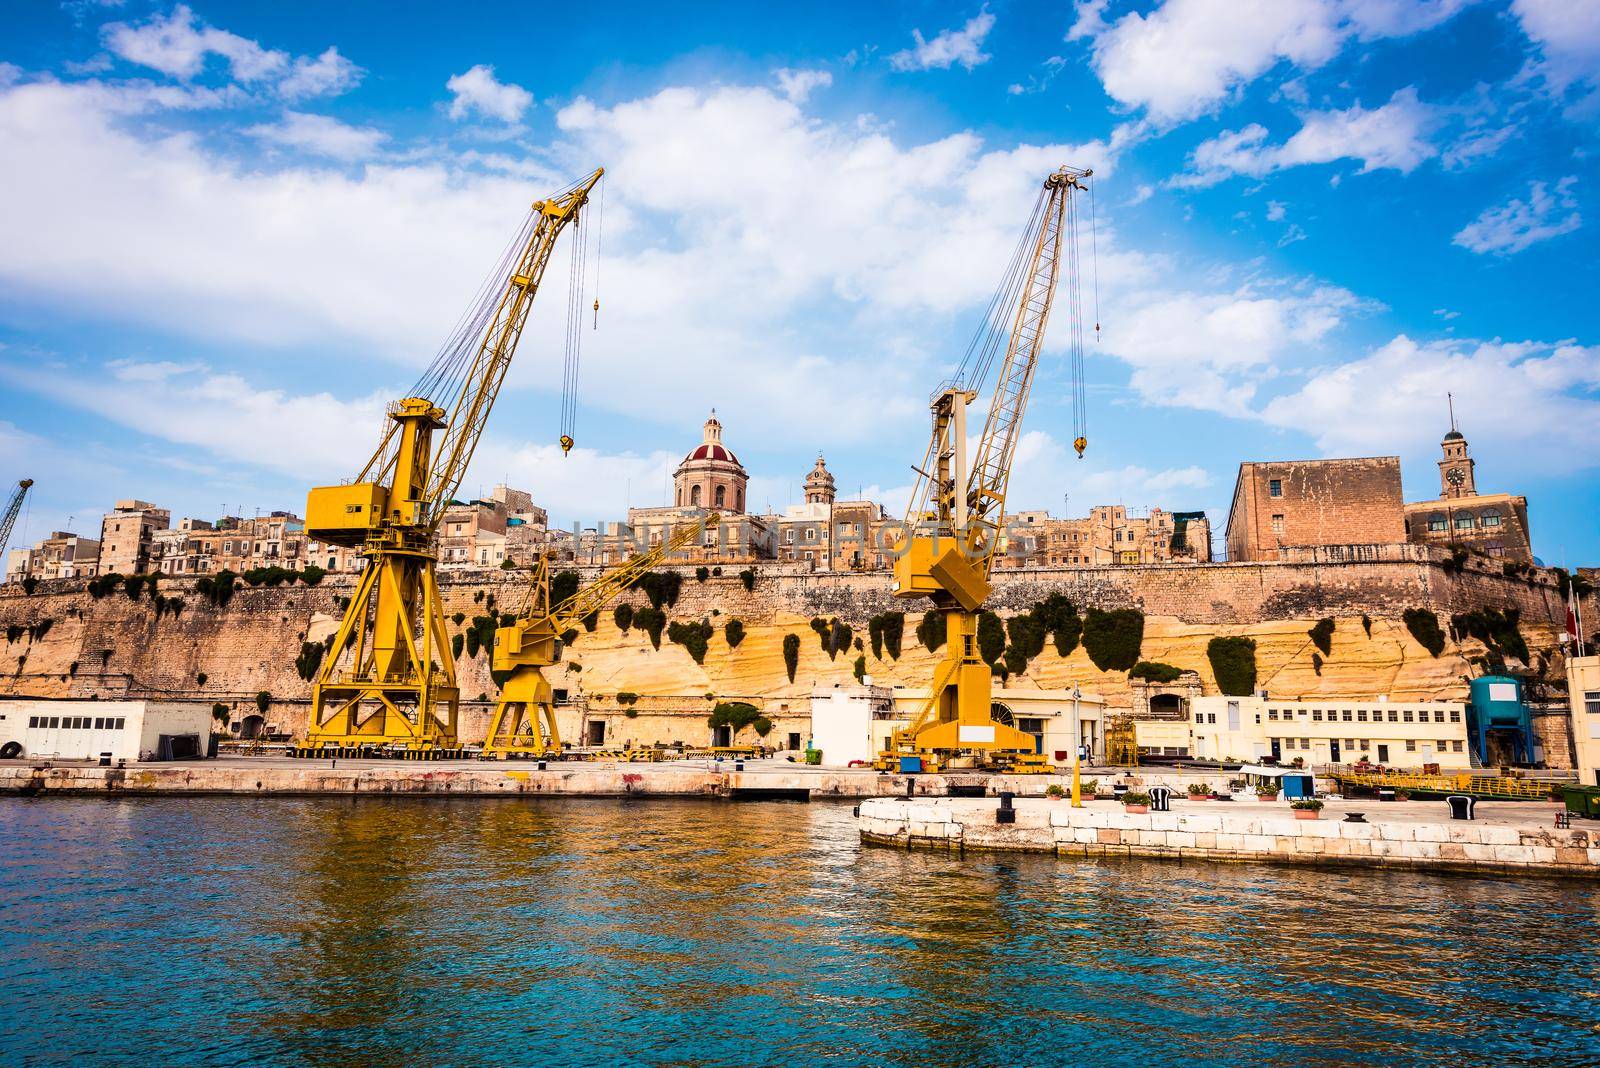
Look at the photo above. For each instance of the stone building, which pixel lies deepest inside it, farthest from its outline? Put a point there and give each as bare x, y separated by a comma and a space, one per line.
126, 535
184, 549
710, 479
1107, 537
833, 535
62, 555
1313, 503
1495, 524
486, 532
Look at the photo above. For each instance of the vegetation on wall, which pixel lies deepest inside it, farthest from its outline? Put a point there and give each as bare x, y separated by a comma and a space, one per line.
748, 577
310, 659
1113, 639
736, 715
1155, 671
169, 606
661, 587
695, 637
456, 645
268, 576
220, 713
886, 630
1322, 635
791, 654
1495, 628
563, 584
590, 621
104, 584
860, 668
733, 631
218, 588
1059, 618
263, 701
1233, 662
1316, 663
652, 621
702, 573
1424, 627
622, 616
991, 637
480, 635
29, 584
931, 631
833, 635
1366, 624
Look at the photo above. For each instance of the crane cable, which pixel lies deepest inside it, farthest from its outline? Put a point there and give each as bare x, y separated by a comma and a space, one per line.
572, 357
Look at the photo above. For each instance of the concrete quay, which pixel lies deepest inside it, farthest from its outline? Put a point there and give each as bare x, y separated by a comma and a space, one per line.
1506, 837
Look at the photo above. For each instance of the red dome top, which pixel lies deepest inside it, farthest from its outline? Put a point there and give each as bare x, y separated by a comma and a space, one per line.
711, 451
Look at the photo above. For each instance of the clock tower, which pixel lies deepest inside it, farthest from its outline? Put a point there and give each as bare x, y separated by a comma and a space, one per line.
1455, 470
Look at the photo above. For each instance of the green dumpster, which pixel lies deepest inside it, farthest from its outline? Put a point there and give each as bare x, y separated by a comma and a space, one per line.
813, 756
1582, 801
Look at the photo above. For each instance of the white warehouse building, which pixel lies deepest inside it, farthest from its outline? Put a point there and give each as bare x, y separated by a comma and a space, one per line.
115, 730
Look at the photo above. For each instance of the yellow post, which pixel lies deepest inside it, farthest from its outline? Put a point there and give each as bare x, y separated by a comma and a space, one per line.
1077, 751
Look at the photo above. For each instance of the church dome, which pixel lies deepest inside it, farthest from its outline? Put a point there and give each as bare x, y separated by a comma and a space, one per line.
711, 451
1455, 435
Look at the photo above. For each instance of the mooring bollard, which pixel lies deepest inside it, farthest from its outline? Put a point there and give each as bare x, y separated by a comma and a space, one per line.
1005, 813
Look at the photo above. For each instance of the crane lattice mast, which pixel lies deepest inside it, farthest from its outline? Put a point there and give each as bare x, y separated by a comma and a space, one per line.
13, 509
388, 678
955, 522
524, 722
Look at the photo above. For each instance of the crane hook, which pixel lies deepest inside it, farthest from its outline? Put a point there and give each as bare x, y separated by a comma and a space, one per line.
596, 313
567, 443
1080, 444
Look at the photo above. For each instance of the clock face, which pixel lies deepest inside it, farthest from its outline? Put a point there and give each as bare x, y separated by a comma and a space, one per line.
1455, 477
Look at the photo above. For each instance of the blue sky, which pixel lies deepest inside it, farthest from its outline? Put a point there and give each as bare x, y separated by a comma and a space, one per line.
228, 233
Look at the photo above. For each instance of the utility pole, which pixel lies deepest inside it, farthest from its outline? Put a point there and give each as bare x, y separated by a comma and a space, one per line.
1077, 749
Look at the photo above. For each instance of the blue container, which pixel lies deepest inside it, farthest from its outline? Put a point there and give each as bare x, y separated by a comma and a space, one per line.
910, 765
1496, 705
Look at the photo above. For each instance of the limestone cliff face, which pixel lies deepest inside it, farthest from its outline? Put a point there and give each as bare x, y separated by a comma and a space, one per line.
118, 645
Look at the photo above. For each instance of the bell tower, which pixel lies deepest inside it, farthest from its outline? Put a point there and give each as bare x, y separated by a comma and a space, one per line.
1455, 470
819, 484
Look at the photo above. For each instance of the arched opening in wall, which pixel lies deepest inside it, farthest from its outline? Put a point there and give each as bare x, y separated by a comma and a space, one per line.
680, 497
250, 726
722, 496
1166, 706
694, 497
738, 501
1001, 713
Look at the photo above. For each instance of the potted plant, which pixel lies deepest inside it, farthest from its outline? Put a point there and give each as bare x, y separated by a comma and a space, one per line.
1307, 808
1054, 792
1266, 791
1199, 791
1134, 802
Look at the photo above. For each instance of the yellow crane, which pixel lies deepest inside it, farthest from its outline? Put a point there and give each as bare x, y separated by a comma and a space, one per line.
954, 525
524, 722
388, 679
13, 508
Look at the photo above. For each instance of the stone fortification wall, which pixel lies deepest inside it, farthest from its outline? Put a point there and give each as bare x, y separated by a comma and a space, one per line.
115, 645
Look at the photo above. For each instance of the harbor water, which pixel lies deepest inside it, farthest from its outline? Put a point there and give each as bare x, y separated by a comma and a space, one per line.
215, 930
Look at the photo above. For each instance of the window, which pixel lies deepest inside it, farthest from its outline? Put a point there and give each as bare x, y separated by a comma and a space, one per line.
1456, 745
1411, 745
1438, 525
1394, 717
55, 722
1455, 714
119, 722
1275, 487
33, 721
811, 533
99, 723
1361, 715
1305, 743
1277, 524
1491, 519
1591, 702
1463, 522
1347, 715
1408, 717
788, 537
1438, 716
1316, 714
722, 495
1288, 743
1272, 713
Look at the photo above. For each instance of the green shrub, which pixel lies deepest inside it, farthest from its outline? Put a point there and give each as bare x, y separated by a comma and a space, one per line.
1154, 671
1132, 798
733, 630
737, 715
218, 588
748, 577
220, 713
791, 654
312, 574
199, 678
563, 584
661, 587
622, 616
480, 635
1496, 628
1233, 662
1112, 639
263, 701
14, 631
839, 637
860, 668
702, 573
508, 564
1366, 624
309, 660
931, 631
456, 645
134, 585
591, 621
1306, 804
29, 584
887, 630
268, 576
1316, 663
627, 697
652, 621
695, 637
824, 631
991, 637
1424, 627
1322, 635
99, 587
762, 726
40, 629
1059, 618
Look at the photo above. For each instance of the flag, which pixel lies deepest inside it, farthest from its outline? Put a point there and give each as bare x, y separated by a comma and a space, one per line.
1572, 618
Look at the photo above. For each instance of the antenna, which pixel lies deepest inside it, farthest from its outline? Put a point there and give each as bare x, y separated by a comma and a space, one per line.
1450, 399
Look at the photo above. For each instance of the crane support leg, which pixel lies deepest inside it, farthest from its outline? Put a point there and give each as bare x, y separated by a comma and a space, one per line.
524, 722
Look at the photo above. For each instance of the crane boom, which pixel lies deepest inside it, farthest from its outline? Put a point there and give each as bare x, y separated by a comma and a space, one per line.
388, 679
13, 509
524, 720
957, 509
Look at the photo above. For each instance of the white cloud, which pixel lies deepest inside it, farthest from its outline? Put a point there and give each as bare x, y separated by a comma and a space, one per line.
1276, 210
1212, 350
1566, 34
1531, 400
949, 47
1185, 57
798, 85
1518, 224
479, 90
1393, 136
178, 45
327, 75
321, 136
586, 485
1477, 144
1291, 235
